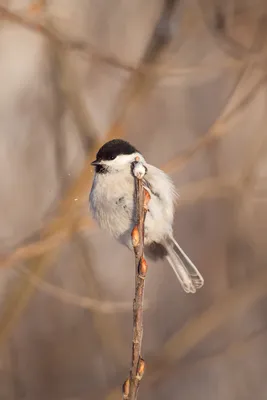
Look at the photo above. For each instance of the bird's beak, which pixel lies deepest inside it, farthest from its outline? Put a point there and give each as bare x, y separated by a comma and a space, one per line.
94, 163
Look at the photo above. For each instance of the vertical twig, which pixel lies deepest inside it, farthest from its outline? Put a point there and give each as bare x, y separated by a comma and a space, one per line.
142, 197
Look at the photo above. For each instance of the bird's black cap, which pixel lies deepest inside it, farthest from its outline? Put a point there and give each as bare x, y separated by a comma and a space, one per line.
112, 149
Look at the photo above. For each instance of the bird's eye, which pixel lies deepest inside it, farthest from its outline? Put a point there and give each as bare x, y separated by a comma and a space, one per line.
112, 157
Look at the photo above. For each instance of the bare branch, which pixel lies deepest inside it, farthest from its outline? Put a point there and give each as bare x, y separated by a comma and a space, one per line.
131, 385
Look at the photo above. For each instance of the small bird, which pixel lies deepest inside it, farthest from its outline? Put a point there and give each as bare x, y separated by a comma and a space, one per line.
112, 203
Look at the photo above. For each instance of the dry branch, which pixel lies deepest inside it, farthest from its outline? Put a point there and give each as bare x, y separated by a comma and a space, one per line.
131, 385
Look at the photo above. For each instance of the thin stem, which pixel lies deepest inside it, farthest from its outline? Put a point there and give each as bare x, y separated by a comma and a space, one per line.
131, 385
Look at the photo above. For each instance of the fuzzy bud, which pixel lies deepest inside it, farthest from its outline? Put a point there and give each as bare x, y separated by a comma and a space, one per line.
142, 268
139, 170
126, 389
140, 369
147, 198
135, 236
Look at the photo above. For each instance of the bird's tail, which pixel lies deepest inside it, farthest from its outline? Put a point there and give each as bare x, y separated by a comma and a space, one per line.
186, 272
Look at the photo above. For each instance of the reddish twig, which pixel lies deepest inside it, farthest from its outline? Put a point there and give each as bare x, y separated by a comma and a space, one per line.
142, 197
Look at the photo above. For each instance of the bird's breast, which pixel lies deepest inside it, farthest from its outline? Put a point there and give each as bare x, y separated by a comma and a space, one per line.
111, 202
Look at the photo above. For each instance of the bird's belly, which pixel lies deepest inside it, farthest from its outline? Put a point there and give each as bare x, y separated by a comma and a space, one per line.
114, 212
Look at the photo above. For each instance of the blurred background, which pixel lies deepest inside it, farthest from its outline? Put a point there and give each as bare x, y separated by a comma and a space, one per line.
185, 82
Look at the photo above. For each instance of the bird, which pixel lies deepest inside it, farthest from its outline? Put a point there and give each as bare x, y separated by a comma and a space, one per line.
112, 203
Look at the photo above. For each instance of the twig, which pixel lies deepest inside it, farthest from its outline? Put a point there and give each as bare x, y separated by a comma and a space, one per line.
236, 301
131, 385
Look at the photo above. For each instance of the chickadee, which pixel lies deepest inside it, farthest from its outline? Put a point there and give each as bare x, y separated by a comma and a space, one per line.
112, 203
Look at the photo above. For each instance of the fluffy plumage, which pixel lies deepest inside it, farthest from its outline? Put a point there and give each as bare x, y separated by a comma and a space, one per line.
112, 205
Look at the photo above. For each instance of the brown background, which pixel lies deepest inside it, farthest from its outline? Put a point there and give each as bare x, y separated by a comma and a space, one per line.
196, 106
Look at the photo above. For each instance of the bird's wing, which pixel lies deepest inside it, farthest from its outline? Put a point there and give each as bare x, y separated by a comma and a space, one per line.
162, 187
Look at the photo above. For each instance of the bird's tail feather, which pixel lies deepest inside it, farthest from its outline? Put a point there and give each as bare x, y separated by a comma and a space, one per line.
184, 269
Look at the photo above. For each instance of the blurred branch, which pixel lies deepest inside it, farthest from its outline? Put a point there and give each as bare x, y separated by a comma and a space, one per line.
257, 151
53, 35
42, 253
51, 238
214, 133
51, 242
217, 27
229, 185
106, 307
233, 350
113, 343
48, 243
61, 227
37, 6
71, 94
161, 35
159, 40
143, 78
142, 197
235, 301
241, 346
20, 295
208, 188
218, 128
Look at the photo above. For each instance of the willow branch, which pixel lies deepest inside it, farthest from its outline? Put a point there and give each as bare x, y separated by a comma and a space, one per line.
142, 197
